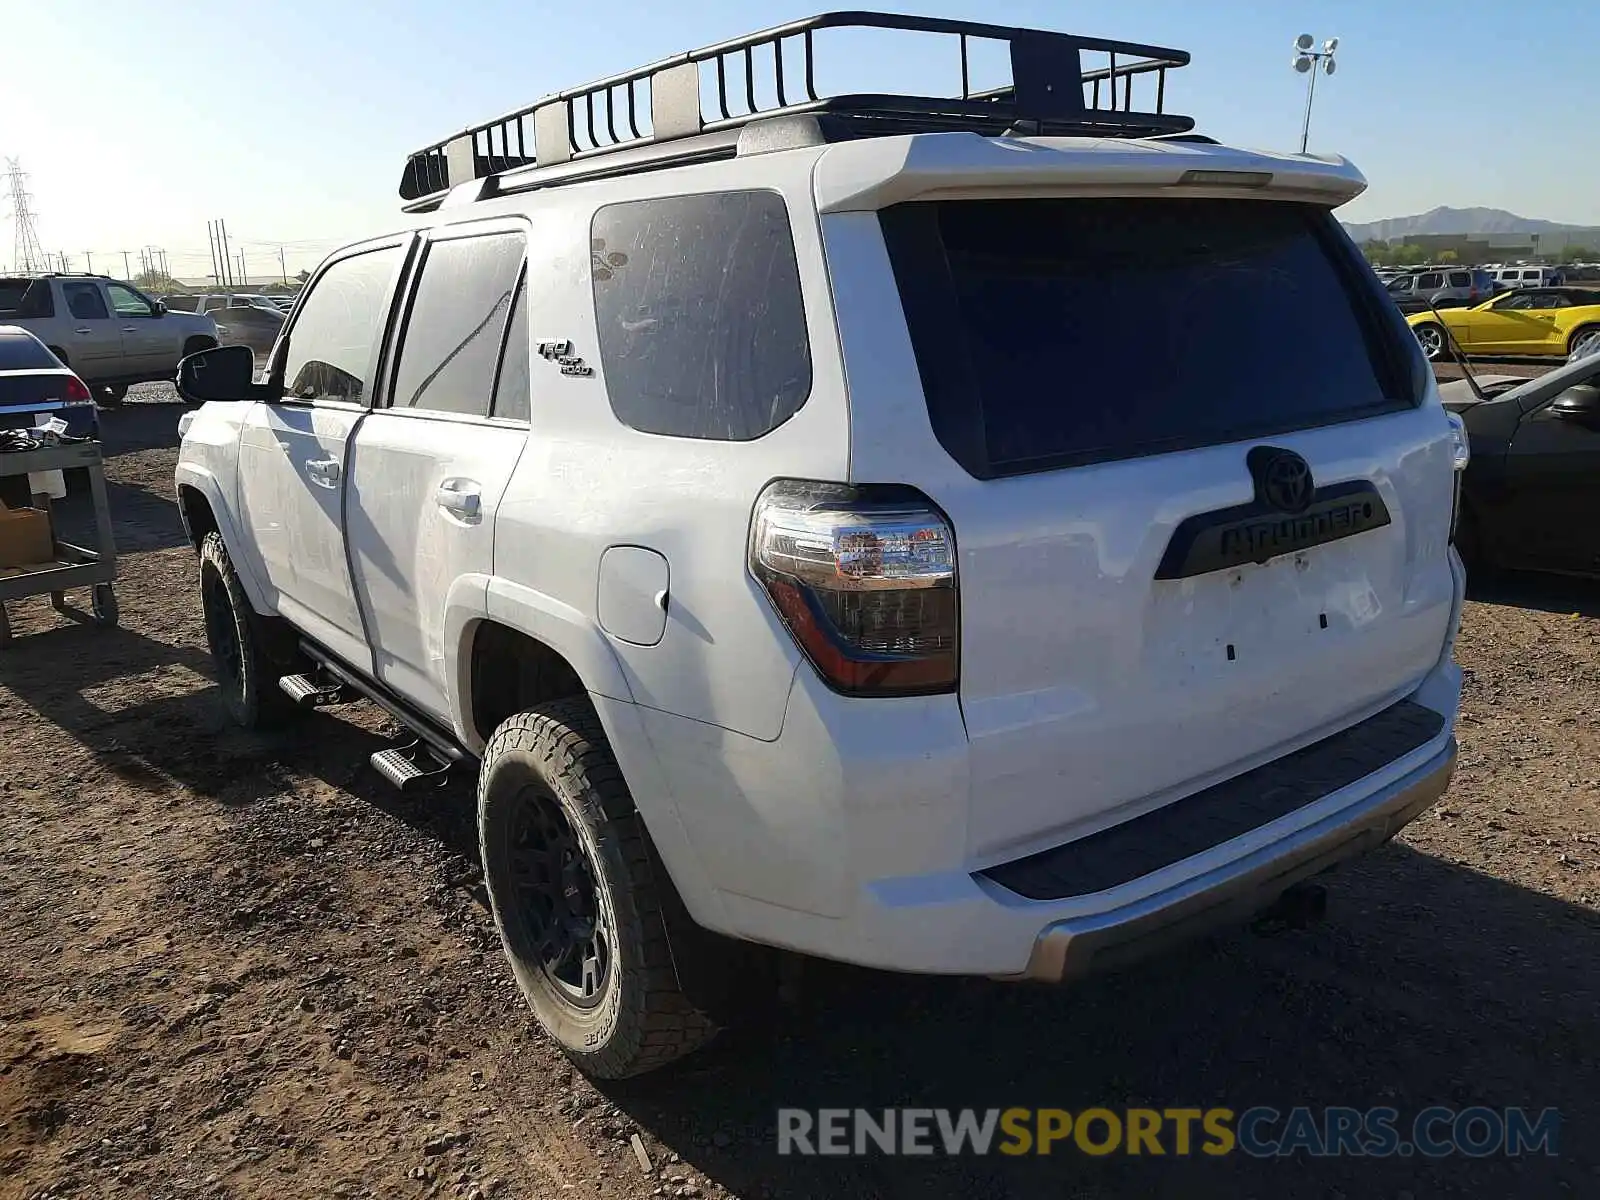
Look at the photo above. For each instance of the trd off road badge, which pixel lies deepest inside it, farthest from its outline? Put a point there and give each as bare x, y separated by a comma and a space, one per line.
559, 351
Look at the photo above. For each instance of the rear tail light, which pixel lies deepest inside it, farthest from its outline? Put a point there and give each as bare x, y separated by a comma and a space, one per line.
865, 580
1460, 456
76, 392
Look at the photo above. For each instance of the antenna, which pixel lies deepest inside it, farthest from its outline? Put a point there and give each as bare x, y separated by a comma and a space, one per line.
27, 254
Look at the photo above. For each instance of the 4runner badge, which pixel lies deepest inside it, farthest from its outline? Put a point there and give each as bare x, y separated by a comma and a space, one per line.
559, 351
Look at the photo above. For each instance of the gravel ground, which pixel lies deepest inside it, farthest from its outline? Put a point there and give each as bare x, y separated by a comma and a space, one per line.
242, 967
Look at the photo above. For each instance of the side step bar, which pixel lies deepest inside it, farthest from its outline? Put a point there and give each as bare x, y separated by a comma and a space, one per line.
411, 767
312, 693
425, 760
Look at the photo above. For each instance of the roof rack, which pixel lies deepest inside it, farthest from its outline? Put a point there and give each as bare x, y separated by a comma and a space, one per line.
1051, 93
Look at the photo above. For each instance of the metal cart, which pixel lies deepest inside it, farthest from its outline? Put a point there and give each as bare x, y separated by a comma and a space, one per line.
74, 566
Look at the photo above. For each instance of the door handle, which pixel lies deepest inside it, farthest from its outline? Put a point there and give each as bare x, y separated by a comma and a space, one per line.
130, 329
462, 499
324, 472
83, 329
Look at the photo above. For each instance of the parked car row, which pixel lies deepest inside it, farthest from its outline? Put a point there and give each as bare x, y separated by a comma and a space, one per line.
109, 332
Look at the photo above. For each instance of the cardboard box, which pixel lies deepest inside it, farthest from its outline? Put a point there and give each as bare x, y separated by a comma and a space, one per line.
25, 537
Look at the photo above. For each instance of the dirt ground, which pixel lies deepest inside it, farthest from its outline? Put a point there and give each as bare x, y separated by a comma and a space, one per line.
243, 967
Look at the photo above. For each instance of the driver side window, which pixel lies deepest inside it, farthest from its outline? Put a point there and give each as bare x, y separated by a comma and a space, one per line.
128, 302
330, 348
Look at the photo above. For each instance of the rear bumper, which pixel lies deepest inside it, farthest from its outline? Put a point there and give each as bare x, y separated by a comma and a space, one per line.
1124, 927
846, 839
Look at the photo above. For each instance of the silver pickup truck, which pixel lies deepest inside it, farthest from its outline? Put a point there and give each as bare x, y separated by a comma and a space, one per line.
109, 332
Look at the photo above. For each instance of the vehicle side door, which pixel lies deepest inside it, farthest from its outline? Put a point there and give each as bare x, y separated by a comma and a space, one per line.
91, 334
1507, 326
432, 462
294, 451
1547, 309
150, 345
1553, 486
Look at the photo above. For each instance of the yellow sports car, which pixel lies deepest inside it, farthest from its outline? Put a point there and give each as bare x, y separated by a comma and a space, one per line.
1553, 321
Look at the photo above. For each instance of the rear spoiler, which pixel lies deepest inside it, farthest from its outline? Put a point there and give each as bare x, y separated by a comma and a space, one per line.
855, 177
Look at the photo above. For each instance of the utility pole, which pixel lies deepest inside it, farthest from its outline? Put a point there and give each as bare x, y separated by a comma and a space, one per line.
244, 275
88, 258
1308, 61
283, 270
227, 258
127, 271
66, 265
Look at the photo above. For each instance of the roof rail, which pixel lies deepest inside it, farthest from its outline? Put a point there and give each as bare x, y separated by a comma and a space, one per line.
1051, 93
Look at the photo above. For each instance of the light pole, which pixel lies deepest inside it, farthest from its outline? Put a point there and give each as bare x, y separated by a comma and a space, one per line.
1308, 62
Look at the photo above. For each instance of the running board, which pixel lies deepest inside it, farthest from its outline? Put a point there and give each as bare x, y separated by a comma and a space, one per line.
310, 693
441, 745
411, 767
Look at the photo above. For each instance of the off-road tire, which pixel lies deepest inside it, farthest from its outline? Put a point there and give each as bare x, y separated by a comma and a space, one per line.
261, 652
557, 753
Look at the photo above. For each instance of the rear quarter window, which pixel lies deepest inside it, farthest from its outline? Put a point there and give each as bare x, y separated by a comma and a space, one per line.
701, 326
1051, 333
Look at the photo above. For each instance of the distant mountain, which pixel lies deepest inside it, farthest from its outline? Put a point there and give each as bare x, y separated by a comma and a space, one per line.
1458, 221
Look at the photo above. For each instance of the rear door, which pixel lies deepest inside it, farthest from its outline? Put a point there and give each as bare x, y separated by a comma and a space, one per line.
1200, 506
430, 466
91, 333
293, 453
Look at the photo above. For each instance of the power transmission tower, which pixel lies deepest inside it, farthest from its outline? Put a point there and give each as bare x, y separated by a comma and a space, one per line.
27, 253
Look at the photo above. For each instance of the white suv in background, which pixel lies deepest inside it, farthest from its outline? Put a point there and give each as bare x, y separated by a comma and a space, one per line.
903, 532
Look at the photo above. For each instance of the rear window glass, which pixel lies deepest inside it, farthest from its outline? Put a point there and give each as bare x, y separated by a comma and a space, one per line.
1053, 332
25, 354
697, 300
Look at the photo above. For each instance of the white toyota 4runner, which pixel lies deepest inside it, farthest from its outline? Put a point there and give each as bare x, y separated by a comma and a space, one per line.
982, 535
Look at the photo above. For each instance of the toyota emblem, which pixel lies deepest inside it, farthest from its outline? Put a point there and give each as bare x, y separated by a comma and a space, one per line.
1283, 479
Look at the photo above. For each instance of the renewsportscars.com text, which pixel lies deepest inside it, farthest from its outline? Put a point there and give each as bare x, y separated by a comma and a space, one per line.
1260, 1132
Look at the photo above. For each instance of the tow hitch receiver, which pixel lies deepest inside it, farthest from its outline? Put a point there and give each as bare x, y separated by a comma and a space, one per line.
1300, 906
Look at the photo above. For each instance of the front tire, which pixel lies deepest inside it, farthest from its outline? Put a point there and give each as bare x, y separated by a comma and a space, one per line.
1431, 338
249, 653
568, 871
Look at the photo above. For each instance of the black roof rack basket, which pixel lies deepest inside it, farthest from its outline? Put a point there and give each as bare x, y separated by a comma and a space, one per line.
1051, 93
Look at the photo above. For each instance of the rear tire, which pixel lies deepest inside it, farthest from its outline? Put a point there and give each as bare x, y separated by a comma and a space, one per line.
568, 869
251, 652
111, 395
1584, 342
1431, 338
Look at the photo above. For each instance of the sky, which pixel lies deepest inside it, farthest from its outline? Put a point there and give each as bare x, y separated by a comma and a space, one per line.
291, 119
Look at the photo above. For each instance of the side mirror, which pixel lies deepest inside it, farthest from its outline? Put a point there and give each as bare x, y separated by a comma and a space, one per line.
1579, 404
161, 308
220, 373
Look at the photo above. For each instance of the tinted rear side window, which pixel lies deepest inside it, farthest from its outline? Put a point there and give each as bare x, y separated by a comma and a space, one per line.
457, 323
697, 300
26, 298
1054, 332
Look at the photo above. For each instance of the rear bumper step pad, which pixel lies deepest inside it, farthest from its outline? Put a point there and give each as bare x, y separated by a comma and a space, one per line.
1220, 813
